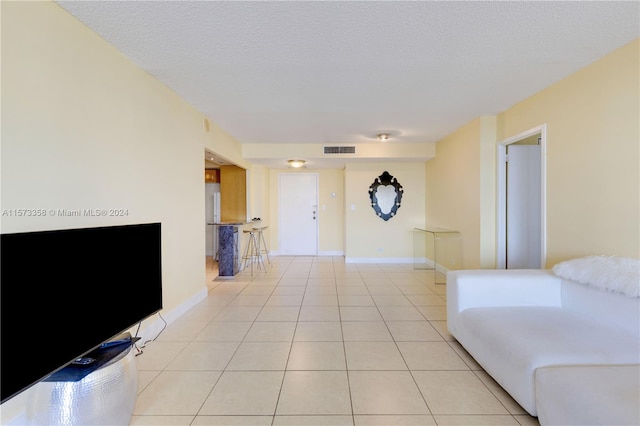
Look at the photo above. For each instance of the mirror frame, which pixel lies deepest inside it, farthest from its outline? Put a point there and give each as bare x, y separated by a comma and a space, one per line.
385, 179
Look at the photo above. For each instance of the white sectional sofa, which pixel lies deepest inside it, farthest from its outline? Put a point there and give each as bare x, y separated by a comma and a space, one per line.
588, 395
551, 337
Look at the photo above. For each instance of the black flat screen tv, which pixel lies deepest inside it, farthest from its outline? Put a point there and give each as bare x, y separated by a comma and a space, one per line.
63, 293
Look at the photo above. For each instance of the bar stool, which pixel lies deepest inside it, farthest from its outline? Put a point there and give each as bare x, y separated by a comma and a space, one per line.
262, 244
252, 252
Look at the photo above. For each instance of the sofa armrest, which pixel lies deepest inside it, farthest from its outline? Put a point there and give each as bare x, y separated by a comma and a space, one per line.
504, 287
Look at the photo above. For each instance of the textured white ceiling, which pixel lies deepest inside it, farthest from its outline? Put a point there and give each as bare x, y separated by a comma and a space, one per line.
342, 71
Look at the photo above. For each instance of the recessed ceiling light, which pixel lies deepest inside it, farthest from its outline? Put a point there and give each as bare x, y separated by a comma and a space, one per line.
383, 136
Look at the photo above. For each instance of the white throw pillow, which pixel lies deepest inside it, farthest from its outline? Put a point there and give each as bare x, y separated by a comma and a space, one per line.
611, 273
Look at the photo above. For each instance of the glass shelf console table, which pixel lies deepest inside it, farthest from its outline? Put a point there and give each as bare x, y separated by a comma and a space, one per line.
437, 249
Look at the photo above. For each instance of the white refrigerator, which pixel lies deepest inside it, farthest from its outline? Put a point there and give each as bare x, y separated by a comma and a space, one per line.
212, 215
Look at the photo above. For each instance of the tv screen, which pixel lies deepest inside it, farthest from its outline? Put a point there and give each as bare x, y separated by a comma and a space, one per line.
65, 292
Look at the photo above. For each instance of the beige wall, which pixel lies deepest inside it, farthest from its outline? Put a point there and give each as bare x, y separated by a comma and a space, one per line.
592, 165
488, 189
341, 229
314, 155
259, 192
368, 237
359, 234
593, 156
453, 189
82, 127
331, 211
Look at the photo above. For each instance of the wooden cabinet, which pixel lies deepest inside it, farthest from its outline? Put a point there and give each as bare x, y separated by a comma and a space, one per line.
212, 175
233, 194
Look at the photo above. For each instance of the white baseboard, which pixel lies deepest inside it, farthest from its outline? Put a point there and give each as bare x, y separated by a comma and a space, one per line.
425, 262
322, 253
378, 259
153, 326
331, 253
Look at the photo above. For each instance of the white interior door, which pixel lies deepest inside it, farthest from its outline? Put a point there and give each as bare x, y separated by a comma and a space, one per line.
523, 207
298, 213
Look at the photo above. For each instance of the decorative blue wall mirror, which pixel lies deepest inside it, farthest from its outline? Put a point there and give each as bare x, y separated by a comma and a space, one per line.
385, 193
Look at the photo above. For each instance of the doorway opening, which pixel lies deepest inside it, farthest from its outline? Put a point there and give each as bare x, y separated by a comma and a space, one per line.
521, 239
212, 164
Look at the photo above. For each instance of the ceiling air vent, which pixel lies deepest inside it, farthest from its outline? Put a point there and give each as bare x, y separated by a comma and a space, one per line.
339, 149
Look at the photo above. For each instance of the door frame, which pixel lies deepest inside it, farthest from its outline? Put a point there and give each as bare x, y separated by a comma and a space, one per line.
501, 178
280, 207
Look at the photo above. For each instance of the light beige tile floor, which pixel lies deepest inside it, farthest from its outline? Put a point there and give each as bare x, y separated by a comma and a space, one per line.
315, 341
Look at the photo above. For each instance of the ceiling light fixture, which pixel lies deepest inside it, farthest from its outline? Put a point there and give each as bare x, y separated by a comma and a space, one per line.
296, 163
383, 136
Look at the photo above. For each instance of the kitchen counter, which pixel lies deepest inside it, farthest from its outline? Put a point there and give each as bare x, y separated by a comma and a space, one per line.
228, 247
